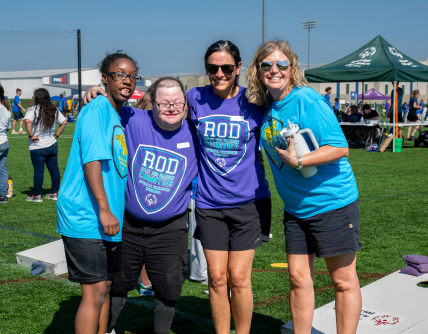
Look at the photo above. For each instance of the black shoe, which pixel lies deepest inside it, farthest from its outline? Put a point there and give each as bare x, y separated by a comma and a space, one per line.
412, 138
3, 200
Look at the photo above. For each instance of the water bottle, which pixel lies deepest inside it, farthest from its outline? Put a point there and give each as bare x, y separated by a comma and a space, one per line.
362, 119
300, 145
10, 189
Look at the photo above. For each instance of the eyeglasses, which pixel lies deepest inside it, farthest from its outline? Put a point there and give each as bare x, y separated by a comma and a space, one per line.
122, 76
226, 69
166, 106
266, 66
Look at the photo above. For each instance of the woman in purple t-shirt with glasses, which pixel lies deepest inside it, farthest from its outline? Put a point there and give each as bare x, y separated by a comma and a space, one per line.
233, 205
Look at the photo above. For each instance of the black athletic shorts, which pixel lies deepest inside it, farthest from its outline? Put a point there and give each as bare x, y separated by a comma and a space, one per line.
327, 234
18, 115
412, 115
162, 247
92, 260
237, 229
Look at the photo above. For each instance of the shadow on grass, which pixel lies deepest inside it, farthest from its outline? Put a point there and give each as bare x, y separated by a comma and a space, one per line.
30, 192
192, 316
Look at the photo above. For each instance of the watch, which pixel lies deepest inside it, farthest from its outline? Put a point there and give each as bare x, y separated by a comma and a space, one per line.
299, 163
29, 136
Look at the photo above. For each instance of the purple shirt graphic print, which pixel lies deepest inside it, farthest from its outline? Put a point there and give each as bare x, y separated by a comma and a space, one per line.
162, 165
157, 174
225, 141
228, 130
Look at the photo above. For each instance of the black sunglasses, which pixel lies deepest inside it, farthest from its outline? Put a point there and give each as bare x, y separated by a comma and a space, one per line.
213, 69
266, 66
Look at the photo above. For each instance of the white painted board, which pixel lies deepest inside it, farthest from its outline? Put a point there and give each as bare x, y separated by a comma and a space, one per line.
52, 255
391, 305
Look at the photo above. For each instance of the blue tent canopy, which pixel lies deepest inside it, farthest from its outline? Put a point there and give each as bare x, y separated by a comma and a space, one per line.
55, 98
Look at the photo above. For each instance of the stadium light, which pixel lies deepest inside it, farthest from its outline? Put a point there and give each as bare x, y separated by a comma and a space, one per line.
308, 25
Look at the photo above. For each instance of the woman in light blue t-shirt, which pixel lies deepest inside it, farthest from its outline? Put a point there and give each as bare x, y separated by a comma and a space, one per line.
321, 215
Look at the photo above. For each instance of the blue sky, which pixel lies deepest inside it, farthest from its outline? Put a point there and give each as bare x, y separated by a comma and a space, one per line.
170, 36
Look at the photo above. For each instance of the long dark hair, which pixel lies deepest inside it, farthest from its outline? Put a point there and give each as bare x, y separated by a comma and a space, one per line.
228, 46
2, 99
47, 111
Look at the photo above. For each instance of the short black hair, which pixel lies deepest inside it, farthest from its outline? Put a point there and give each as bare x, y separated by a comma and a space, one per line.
104, 65
367, 106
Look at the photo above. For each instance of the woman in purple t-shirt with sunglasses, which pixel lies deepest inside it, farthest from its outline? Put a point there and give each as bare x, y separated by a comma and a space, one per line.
233, 205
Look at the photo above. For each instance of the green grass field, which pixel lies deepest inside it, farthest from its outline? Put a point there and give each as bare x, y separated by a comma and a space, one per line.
393, 206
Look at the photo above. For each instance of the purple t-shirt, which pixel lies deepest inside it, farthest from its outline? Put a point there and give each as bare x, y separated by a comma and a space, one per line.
161, 166
228, 130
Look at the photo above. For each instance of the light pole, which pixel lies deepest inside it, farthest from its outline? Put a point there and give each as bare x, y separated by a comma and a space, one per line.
308, 25
264, 23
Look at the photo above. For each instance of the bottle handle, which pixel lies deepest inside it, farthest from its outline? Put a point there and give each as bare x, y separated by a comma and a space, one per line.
312, 137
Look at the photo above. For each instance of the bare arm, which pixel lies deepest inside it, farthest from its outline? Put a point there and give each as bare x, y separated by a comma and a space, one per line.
29, 126
19, 105
94, 175
325, 155
416, 105
92, 93
61, 128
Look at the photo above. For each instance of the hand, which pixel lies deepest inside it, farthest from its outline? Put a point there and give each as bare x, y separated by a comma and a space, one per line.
92, 93
34, 139
288, 156
110, 222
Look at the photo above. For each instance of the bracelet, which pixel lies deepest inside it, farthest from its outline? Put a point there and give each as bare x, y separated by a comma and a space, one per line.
55, 136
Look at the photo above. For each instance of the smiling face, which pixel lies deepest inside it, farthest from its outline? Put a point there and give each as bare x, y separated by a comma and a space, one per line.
170, 119
276, 81
119, 91
221, 82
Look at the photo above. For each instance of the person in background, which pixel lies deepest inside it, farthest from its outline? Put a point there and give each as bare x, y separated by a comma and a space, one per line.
346, 109
421, 111
17, 113
91, 202
414, 107
62, 105
387, 106
321, 213
5, 126
336, 105
69, 106
369, 115
327, 94
375, 107
405, 109
353, 117
360, 106
40, 121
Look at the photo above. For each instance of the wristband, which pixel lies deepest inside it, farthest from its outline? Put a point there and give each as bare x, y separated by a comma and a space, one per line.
55, 136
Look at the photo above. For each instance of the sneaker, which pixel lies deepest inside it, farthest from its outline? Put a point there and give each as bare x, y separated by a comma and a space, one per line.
52, 196
412, 138
146, 290
34, 198
14, 132
23, 132
112, 332
3, 200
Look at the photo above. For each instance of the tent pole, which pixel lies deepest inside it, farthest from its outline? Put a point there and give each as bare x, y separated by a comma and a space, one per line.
394, 118
396, 110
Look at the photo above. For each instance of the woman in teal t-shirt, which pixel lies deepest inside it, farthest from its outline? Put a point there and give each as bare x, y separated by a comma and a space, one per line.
321, 215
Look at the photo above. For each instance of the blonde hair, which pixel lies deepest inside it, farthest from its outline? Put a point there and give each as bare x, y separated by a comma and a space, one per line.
414, 93
257, 92
144, 103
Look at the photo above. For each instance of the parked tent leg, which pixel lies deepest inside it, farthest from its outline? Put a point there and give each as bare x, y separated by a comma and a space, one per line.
394, 110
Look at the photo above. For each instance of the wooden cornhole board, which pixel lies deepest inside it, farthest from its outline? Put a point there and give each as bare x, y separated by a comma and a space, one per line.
52, 255
391, 305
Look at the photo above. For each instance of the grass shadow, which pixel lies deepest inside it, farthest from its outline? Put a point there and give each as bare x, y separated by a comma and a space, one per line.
63, 320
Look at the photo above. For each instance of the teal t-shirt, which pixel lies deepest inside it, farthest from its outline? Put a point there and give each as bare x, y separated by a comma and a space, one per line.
333, 186
98, 136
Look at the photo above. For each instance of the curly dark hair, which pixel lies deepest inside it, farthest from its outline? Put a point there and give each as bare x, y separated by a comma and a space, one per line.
104, 65
47, 111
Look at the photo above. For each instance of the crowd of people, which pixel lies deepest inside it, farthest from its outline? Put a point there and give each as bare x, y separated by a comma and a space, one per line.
122, 208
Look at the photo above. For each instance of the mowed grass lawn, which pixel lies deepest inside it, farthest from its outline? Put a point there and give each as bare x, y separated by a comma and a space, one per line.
393, 207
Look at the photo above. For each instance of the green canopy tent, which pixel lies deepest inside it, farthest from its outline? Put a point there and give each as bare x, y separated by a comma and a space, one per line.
376, 61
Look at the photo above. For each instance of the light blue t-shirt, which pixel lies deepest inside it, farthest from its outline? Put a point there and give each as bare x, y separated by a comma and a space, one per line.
16, 100
62, 103
334, 185
98, 136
